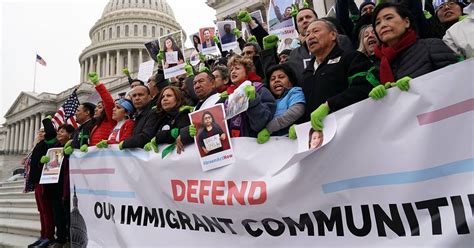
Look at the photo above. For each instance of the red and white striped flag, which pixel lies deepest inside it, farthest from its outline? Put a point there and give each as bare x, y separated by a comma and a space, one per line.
66, 113
40, 60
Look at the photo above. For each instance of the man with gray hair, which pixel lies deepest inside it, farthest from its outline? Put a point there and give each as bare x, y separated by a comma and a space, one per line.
334, 78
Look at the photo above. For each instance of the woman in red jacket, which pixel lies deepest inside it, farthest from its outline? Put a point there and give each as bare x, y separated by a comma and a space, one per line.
122, 112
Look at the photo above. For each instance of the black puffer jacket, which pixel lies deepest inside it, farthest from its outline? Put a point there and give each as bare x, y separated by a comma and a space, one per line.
169, 120
423, 57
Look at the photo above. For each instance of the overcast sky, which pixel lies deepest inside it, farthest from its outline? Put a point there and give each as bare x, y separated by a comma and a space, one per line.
58, 30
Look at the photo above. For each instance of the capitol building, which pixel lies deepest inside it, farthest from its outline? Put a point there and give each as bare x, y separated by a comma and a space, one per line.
117, 41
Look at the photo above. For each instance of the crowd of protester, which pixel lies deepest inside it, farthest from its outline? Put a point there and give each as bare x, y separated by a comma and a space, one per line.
361, 53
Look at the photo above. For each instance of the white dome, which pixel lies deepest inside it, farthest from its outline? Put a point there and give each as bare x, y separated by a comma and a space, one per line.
156, 5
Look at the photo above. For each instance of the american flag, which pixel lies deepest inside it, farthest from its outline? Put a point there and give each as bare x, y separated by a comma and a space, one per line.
66, 113
40, 60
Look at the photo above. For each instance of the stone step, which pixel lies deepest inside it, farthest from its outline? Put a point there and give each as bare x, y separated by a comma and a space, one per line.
19, 213
14, 183
29, 195
20, 227
18, 203
11, 189
8, 240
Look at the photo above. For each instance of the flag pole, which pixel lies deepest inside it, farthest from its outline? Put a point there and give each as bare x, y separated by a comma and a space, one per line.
34, 79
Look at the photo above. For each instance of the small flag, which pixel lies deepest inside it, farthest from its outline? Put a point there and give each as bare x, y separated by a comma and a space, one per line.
40, 60
66, 113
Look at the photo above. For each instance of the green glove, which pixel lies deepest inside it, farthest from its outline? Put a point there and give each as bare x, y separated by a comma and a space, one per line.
93, 77
252, 38
403, 83
84, 148
378, 92
189, 70
292, 132
250, 92
236, 32
244, 16
318, 116
102, 144
68, 143
461, 18
305, 4
125, 71
186, 107
427, 14
216, 39
192, 130
151, 145
160, 57
294, 10
68, 150
263, 136
44, 159
121, 145
354, 18
49, 117
270, 41
175, 132
202, 57
204, 69
224, 95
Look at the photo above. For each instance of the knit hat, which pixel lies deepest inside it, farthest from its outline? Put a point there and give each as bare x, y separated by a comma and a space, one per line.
365, 3
127, 105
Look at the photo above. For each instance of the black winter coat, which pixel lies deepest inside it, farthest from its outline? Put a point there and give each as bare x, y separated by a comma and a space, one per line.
144, 130
169, 120
330, 81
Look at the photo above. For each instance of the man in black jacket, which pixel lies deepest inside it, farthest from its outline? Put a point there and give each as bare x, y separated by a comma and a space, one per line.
84, 117
145, 119
333, 79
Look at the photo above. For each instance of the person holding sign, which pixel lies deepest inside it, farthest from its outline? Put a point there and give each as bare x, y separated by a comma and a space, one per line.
211, 135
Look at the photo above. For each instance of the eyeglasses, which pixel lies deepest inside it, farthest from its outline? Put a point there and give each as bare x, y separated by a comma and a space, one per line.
447, 4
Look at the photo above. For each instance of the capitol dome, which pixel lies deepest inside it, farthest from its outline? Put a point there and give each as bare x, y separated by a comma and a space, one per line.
118, 37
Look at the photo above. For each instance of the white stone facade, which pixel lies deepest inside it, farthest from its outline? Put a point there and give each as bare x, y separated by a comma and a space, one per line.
117, 41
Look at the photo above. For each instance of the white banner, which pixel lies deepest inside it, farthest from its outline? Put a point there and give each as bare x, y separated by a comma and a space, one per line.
398, 172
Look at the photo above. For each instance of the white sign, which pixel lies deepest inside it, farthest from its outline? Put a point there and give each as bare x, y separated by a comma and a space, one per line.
398, 173
213, 142
52, 169
145, 71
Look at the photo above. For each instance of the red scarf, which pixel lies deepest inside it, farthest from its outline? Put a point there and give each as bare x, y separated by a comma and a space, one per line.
252, 77
388, 53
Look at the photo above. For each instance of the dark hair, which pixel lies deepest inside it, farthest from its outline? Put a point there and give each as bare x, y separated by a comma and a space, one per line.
102, 116
311, 131
336, 23
147, 89
174, 46
89, 107
177, 94
137, 80
207, 113
401, 10
67, 127
210, 76
290, 73
295, 20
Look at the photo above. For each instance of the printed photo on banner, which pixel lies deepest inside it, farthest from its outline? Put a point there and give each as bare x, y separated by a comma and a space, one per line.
288, 43
258, 16
194, 58
212, 138
153, 48
228, 39
237, 102
280, 21
196, 41
207, 40
245, 32
173, 60
52, 169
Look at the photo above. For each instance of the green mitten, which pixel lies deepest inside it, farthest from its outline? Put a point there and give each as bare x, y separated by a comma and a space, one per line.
160, 57
68, 143
292, 132
224, 95
68, 150
102, 144
44, 159
318, 116
93, 77
305, 4
216, 39
403, 83
202, 57
84, 148
204, 69
125, 71
186, 107
294, 10
236, 32
151, 145
263, 136
250, 92
49, 117
378, 92
270, 41
121, 145
244, 16
189, 70
252, 38
427, 14
192, 130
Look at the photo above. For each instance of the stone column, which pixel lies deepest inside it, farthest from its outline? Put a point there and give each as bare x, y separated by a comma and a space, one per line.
32, 132
107, 64
21, 136
12, 139
38, 121
86, 69
129, 60
119, 68
140, 56
26, 134
91, 64
98, 65
82, 73
7, 140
